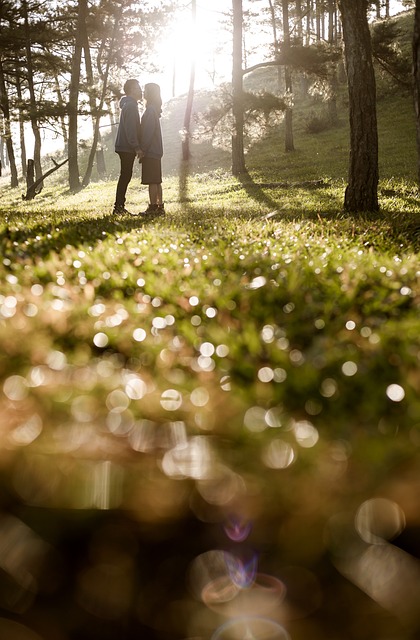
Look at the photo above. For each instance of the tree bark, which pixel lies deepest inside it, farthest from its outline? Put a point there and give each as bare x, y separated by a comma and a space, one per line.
362, 189
416, 79
238, 156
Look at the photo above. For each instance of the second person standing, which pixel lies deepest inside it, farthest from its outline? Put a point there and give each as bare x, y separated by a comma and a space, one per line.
152, 148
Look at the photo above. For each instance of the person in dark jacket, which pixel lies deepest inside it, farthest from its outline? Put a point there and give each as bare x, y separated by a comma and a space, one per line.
127, 143
152, 148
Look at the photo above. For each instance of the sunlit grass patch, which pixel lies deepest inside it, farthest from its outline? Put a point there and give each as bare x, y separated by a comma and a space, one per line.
249, 296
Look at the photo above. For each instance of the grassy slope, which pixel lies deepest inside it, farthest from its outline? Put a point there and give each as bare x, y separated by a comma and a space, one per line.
279, 353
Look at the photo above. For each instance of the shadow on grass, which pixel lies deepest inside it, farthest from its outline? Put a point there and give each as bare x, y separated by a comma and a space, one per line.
42, 239
326, 202
256, 192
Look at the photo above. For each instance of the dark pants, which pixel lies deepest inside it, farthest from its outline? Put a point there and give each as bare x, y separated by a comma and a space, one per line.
126, 172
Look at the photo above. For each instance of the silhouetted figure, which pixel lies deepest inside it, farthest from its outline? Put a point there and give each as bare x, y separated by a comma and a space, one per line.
127, 143
152, 148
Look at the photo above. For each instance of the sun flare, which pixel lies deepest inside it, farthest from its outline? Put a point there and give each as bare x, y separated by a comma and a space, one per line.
203, 42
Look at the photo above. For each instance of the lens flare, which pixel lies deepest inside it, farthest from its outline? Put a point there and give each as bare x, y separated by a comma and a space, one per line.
242, 570
263, 596
237, 529
251, 628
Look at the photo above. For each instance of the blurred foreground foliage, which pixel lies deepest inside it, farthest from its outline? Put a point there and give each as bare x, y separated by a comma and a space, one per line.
210, 421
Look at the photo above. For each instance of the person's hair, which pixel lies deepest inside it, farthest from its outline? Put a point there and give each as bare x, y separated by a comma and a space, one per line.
152, 96
131, 84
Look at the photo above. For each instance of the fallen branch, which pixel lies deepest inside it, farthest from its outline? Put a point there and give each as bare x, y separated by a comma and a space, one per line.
32, 191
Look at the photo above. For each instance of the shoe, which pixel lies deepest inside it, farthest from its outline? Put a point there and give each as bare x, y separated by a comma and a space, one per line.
154, 209
120, 210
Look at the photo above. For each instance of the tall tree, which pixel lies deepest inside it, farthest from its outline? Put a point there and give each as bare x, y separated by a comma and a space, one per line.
332, 41
288, 116
309, 18
238, 156
362, 189
32, 97
74, 173
7, 69
7, 135
416, 74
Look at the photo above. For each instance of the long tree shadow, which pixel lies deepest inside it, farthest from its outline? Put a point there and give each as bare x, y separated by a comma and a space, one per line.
256, 192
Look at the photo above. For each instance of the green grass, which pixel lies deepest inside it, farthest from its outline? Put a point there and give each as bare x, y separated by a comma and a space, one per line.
255, 351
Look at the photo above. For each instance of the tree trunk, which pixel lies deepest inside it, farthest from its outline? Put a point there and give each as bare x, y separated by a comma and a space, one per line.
362, 189
299, 21
332, 39
276, 45
288, 116
74, 174
309, 17
60, 101
238, 156
332, 22
318, 20
5, 107
32, 97
94, 112
186, 153
21, 121
416, 78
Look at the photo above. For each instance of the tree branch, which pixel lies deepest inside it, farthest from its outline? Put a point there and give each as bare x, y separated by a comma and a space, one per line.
31, 191
261, 65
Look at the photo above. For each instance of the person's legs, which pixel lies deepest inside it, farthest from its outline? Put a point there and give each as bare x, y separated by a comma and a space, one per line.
152, 176
126, 173
155, 194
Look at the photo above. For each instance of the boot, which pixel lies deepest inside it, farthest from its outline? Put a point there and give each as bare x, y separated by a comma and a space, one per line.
154, 209
119, 210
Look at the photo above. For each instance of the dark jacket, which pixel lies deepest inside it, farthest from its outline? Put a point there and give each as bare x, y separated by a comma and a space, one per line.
128, 134
151, 133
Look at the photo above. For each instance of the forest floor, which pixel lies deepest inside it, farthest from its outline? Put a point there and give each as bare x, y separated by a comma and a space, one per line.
251, 360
